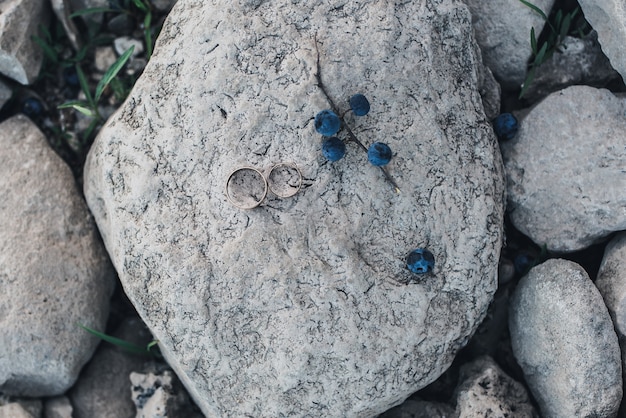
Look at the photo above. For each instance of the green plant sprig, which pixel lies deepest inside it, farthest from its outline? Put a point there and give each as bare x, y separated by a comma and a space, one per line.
89, 107
148, 350
559, 29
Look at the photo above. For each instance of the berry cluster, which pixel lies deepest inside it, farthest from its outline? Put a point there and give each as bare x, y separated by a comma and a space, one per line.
327, 123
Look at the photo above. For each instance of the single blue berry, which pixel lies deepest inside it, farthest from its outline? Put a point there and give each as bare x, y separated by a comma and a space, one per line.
327, 123
379, 154
420, 261
360, 105
32, 107
505, 126
71, 76
333, 149
523, 262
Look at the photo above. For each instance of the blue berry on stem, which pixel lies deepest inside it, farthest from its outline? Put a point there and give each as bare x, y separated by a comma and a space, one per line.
379, 154
505, 126
32, 107
420, 261
360, 105
333, 149
327, 123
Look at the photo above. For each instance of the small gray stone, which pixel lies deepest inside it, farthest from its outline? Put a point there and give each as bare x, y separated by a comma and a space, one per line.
163, 5
413, 408
579, 61
103, 389
22, 408
59, 407
565, 169
304, 305
490, 92
502, 29
611, 283
563, 339
123, 43
608, 18
20, 56
104, 58
160, 395
486, 391
54, 270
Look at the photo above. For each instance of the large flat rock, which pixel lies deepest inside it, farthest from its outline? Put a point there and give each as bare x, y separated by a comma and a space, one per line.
304, 305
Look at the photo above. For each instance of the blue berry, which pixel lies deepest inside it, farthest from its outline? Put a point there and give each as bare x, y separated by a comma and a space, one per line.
71, 76
379, 154
327, 123
360, 105
505, 126
420, 261
32, 107
333, 149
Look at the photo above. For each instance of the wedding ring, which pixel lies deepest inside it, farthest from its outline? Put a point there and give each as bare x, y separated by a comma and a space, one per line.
246, 188
284, 179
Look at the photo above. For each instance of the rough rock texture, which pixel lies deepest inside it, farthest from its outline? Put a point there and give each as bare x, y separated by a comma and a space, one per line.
563, 338
420, 409
502, 29
20, 56
304, 305
580, 61
608, 18
489, 91
566, 171
103, 389
486, 391
54, 271
611, 283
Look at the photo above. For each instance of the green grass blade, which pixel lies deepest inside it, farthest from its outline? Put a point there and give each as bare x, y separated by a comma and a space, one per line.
140, 5
130, 347
536, 9
541, 55
112, 72
527, 82
567, 23
533, 41
95, 10
84, 85
82, 107
47, 49
148, 34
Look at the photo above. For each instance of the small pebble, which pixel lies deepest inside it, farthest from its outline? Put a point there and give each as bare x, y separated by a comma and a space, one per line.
123, 43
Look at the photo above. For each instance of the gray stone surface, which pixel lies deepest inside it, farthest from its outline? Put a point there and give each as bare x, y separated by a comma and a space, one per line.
63, 9
608, 18
502, 29
563, 338
580, 62
5, 93
611, 283
103, 389
20, 56
566, 171
59, 407
420, 409
54, 271
303, 305
490, 92
486, 391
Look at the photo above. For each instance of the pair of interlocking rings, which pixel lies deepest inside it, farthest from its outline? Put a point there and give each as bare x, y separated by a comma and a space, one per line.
247, 187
